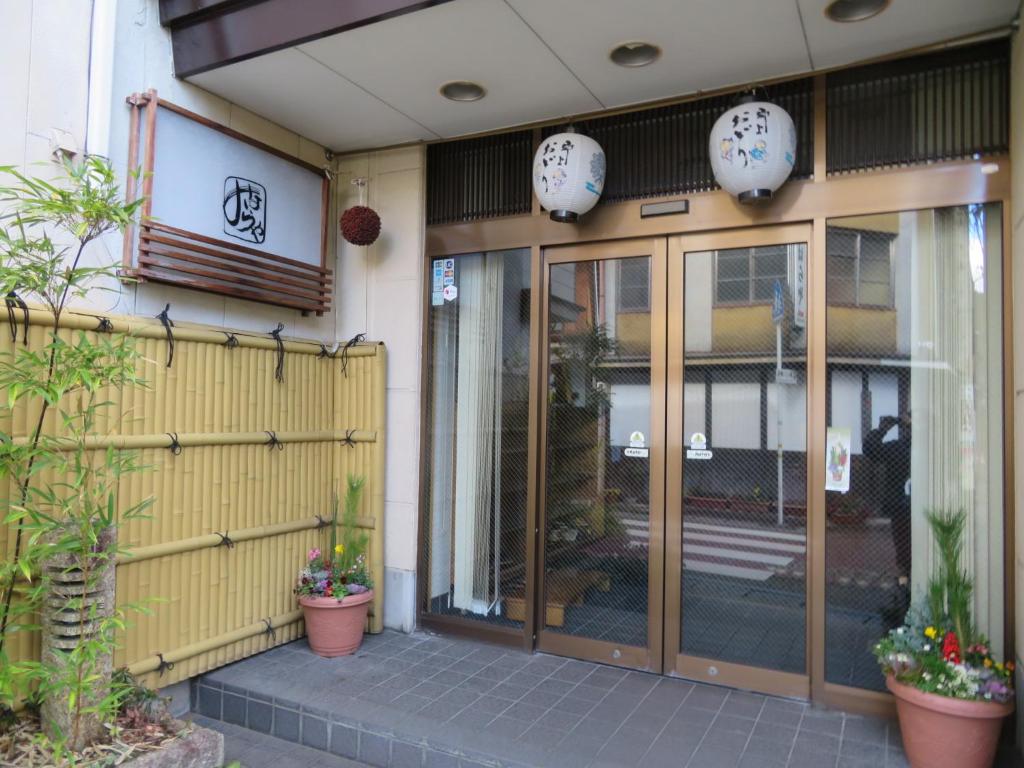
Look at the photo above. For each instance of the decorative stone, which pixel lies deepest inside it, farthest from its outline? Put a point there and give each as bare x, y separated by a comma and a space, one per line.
197, 748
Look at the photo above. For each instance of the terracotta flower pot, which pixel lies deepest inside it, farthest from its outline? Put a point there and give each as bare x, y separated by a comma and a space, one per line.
940, 731
335, 627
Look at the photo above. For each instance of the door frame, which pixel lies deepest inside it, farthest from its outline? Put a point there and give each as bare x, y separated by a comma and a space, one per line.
650, 658
675, 662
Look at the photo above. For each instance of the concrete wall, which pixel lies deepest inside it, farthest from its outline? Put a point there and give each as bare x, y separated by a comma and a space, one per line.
1017, 240
66, 67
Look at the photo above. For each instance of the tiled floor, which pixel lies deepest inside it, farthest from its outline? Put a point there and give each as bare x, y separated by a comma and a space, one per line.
424, 700
258, 750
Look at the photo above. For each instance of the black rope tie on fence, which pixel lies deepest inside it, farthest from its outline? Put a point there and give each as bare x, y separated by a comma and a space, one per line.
273, 442
104, 325
225, 540
326, 353
14, 301
276, 333
165, 318
270, 630
359, 338
320, 522
232, 340
347, 439
175, 446
163, 666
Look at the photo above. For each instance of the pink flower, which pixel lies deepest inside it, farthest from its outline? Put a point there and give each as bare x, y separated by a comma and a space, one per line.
314, 553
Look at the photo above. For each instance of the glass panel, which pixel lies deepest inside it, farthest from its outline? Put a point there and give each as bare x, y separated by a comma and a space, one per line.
733, 275
744, 494
476, 476
919, 387
634, 286
596, 495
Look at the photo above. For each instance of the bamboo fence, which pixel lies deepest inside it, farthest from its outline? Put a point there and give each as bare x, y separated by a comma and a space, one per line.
242, 469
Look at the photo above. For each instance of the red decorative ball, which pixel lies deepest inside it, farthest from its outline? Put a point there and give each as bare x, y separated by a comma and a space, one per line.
360, 225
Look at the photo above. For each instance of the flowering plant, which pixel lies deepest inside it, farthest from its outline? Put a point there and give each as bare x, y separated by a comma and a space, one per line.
938, 650
341, 570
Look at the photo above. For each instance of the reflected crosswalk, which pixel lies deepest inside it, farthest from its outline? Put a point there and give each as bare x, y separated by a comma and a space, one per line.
748, 553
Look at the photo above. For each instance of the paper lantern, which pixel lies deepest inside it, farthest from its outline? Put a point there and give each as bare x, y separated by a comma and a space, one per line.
568, 175
753, 148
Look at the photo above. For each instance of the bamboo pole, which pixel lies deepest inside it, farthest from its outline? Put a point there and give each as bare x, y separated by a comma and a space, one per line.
198, 439
152, 663
379, 395
150, 329
138, 554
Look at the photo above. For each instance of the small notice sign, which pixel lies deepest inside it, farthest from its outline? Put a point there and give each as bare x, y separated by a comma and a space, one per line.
698, 454
637, 453
837, 459
450, 293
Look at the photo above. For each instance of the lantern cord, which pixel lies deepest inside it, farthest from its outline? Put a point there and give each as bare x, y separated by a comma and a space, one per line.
175, 446
104, 325
232, 340
273, 442
279, 370
14, 301
357, 339
165, 318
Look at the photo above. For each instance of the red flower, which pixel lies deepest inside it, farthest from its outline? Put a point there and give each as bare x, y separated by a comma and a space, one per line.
951, 648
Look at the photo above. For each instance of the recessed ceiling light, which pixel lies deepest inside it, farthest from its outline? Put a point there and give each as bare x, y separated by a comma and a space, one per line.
463, 90
855, 10
634, 54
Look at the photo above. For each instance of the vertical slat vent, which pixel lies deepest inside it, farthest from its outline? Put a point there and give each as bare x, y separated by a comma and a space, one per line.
940, 106
479, 178
664, 151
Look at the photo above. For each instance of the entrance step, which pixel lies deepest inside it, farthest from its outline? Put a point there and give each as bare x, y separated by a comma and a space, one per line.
429, 701
259, 750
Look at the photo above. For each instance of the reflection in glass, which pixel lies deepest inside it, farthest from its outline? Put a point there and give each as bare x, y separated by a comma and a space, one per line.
596, 495
744, 497
914, 343
476, 469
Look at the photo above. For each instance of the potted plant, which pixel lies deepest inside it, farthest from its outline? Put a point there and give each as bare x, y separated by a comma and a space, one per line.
951, 694
334, 587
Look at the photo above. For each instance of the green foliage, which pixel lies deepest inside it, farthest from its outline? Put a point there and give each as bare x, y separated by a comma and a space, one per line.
950, 588
354, 539
65, 509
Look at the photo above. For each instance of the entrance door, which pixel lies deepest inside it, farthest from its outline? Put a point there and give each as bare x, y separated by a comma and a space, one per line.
603, 423
736, 588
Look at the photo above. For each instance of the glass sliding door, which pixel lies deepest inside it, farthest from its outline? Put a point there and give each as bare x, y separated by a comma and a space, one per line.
476, 485
915, 386
736, 532
601, 548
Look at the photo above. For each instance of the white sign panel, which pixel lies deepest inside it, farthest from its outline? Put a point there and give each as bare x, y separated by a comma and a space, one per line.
799, 286
210, 183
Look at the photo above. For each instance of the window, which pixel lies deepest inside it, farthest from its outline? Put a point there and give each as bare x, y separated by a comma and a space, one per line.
859, 267
748, 275
634, 285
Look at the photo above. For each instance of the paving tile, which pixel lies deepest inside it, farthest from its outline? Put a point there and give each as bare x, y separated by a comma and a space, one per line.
286, 724
506, 726
435, 759
867, 729
741, 704
773, 732
817, 741
769, 751
860, 750
510, 691
541, 736
344, 740
731, 724
706, 697
473, 718
574, 706
210, 702
808, 758
373, 748
405, 755
314, 732
714, 756
528, 713
234, 709
260, 716
830, 723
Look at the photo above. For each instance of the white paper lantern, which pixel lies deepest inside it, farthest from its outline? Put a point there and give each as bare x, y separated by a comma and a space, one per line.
753, 148
568, 175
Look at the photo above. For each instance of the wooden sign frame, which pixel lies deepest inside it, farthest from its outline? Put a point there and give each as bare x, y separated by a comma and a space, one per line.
177, 256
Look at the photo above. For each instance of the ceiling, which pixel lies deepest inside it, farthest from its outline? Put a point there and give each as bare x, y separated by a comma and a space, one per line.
377, 85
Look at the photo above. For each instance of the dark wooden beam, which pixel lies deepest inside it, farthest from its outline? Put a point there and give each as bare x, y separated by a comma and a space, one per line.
207, 34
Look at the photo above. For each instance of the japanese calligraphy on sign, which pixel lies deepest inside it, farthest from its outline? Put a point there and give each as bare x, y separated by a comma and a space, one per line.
245, 209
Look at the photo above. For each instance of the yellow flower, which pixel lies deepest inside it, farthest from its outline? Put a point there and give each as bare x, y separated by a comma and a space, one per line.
931, 632
339, 549
988, 662
999, 666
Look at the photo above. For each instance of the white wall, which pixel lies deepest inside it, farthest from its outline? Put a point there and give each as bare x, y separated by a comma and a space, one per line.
383, 297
